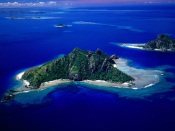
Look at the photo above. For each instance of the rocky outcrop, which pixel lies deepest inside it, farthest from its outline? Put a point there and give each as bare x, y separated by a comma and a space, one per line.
74, 76
98, 51
114, 57
7, 97
163, 42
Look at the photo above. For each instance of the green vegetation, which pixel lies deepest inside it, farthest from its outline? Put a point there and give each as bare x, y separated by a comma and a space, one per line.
78, 65
163, 42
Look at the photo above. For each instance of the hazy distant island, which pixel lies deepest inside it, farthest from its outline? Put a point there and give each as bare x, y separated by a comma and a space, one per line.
162, 43
31, 18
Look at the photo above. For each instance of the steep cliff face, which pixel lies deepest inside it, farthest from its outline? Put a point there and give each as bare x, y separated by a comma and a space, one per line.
163, 42
78, 65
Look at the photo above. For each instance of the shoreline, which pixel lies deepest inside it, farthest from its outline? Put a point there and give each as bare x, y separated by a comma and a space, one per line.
139, 46
135, 46
143, 79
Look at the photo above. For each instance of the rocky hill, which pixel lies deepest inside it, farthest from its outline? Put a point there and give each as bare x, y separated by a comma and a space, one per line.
78, 65
163, 42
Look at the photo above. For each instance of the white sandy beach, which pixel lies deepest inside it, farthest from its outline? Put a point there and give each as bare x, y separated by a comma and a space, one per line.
54, 83
24, 88
143, 79
107, 84
135, 46
138, 46
19, 76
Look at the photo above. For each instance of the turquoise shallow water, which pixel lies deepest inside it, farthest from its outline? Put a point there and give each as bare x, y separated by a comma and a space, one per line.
164, 85
27, 43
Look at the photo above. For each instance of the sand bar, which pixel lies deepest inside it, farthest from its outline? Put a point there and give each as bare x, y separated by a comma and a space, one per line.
143, 77
139, 46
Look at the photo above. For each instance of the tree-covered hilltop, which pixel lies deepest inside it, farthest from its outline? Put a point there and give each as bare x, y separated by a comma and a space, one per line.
163, 42
78, 65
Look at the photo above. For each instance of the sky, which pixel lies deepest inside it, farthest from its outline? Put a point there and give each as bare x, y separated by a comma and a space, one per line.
51, 3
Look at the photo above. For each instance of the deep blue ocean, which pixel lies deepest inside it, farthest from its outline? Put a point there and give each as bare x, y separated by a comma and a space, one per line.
28, 37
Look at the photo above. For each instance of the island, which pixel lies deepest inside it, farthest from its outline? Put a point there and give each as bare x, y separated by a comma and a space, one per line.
79, 65
162, 43
60, 25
